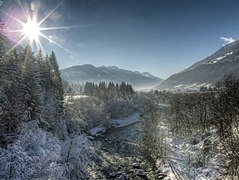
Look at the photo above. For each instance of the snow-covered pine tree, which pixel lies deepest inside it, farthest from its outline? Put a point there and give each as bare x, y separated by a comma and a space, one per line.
53, 89
9, 80
8, 89
56, 77
31, 89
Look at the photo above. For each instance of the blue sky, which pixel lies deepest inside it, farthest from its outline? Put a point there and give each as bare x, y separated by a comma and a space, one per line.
159, 36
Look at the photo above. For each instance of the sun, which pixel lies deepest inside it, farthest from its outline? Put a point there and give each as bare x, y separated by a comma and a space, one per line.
31, 29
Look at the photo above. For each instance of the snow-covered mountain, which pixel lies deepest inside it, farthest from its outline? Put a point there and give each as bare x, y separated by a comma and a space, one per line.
87, 72
207, 71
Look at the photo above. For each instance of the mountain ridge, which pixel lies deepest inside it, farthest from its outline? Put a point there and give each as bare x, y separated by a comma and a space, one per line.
206, 72
90, 73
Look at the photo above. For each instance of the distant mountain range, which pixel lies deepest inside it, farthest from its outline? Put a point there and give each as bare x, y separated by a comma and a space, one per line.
90, 73
207, 71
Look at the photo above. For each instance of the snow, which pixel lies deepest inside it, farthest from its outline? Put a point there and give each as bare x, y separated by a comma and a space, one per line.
147, 74
219, 58
185, 158
98, 130
194, 86
106, 72
113, 67
74, 97
116, 123
37, 154
163, 105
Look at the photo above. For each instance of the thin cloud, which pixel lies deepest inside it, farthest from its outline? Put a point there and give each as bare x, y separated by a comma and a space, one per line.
227, 40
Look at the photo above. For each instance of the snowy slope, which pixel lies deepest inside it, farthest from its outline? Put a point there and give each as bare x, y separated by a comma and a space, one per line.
208, 71
190, 158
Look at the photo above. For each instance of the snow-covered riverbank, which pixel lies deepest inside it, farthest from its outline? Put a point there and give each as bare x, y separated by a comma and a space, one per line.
115, 123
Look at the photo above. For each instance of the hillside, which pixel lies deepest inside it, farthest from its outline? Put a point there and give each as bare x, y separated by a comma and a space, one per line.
207, 71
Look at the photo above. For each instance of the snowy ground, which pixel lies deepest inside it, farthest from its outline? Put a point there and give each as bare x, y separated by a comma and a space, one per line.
116, 123
126, 121
69, 98
192, 157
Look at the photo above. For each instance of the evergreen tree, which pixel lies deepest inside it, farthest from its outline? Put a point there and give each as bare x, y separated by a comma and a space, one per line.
111, 86
41, 66
56, 76
31, 89
9, 90
122, 88
129, 89
117, 89
102, 86
90, 88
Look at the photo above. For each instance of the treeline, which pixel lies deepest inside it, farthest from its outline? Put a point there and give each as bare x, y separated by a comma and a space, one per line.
30, 89
102, 88
200, 112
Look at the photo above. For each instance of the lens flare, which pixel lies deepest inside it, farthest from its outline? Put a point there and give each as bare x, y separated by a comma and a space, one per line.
32, 30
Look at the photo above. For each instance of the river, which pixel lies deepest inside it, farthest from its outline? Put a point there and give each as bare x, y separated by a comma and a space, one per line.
120, 157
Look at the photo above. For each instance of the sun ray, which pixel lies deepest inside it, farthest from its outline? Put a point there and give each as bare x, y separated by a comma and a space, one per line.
27, 54
41, 47
52, 41
14, 30
18, 43
55, 28
50, 13
60, 27
20, 22
36, 40
26, 14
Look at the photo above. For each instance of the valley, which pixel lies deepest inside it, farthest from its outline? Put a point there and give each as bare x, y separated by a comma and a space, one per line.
119, 90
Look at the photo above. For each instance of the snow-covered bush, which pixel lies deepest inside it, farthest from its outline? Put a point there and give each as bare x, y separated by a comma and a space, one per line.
31, 155
37, 154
